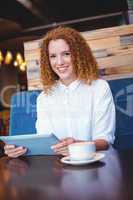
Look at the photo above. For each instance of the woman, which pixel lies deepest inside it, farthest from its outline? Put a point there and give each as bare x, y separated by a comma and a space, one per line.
75, 105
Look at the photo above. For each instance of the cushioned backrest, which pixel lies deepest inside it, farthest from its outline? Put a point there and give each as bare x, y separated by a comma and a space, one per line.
23, 113
122, 91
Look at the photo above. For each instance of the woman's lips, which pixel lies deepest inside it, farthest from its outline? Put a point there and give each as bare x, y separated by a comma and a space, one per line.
62, 69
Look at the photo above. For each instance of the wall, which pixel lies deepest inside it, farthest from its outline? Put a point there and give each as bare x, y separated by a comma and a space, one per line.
112, 47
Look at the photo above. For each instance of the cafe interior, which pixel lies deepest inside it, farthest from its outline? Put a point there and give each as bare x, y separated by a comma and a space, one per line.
23, 24
108, 28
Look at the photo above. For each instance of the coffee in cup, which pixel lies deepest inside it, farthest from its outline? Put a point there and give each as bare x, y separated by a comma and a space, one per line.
82, 150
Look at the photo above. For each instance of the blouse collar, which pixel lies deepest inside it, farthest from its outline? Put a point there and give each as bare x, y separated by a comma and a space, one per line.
71, 86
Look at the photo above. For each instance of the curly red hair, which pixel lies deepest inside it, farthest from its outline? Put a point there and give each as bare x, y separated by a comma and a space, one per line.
84, 63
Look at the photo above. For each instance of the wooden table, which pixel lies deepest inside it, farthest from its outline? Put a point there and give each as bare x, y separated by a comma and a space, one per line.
45, 178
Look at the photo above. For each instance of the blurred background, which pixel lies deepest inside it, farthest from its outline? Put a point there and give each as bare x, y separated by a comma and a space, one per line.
27, 20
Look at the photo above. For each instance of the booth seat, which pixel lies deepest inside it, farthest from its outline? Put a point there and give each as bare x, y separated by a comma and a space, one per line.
122, 90
23, 112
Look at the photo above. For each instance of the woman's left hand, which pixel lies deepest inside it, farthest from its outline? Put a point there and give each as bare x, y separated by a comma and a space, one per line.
62, 147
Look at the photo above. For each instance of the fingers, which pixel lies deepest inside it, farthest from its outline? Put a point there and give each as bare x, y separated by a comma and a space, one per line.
9, 146
63, 142
13, 151
68, 140
18, 153
62, 151
59, 145
62, 146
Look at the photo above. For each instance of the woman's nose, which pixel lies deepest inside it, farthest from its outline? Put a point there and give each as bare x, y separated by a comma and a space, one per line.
60, 60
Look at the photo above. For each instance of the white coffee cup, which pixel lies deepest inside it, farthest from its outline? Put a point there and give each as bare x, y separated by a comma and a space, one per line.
82, 150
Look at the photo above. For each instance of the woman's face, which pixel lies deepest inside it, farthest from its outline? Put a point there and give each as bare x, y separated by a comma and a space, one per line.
60, 60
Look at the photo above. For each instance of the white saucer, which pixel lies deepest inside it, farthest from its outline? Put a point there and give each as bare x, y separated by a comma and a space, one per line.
67, 160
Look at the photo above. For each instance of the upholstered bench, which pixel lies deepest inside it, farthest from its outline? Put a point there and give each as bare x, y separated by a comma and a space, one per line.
122, 90
23, 112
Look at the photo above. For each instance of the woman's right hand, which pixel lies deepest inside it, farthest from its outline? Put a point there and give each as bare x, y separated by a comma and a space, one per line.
14, 152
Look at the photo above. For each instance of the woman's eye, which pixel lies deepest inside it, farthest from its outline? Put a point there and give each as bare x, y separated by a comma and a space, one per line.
67, 53
52, 56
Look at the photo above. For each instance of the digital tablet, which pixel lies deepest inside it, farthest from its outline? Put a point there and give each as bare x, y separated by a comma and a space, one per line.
35, 144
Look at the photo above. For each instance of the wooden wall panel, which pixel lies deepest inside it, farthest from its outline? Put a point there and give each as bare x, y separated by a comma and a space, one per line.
108, 32
117, 70
112, 47
116, 60
104, 43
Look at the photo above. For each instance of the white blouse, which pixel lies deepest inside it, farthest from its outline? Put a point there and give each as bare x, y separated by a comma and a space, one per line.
79, 110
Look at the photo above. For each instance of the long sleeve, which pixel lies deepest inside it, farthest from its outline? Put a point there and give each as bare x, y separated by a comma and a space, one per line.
103, 114
43, 125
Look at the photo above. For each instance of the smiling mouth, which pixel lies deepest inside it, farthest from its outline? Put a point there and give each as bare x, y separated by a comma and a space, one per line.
62, 69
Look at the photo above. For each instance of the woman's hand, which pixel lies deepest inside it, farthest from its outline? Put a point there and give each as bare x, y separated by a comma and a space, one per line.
62, 147
13, 151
